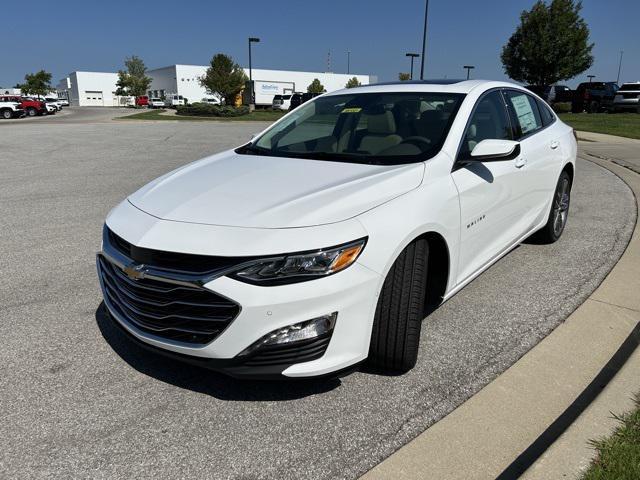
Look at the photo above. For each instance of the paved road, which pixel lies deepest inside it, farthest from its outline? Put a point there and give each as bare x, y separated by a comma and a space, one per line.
78, 401
72, 115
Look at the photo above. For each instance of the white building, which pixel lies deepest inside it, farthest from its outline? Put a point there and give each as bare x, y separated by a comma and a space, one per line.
91, 89
184, 80
98, 88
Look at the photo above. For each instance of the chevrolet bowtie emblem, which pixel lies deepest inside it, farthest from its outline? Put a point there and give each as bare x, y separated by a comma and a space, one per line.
134, 272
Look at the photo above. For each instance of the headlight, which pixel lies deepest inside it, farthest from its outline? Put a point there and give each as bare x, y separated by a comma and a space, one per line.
300, 267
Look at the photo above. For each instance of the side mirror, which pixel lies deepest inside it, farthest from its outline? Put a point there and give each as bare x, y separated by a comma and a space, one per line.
491, 150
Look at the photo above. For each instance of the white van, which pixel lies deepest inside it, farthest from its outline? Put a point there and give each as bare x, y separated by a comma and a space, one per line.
173, 100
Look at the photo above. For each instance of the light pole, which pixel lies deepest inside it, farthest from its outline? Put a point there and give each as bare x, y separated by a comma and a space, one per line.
620, 66
591, 77
253, 93
424, 39
348, 61
469, 68
412, 56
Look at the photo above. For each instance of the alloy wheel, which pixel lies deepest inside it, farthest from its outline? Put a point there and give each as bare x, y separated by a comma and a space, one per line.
561, 207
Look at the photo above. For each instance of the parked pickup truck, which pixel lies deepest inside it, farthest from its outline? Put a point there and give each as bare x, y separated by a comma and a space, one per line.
594, 97
10, 109
30, 106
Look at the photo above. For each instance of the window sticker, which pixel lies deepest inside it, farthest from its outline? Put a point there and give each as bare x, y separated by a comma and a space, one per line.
351, 110
523, 109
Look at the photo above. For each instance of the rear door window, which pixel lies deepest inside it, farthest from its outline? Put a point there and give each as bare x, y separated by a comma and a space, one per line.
524, 112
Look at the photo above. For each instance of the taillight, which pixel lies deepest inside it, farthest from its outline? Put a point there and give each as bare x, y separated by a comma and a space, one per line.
586, 94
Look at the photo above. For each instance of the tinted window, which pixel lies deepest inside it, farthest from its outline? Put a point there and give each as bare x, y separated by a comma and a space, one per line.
488, 121
545, 113
375, 128
524, 111
630, 86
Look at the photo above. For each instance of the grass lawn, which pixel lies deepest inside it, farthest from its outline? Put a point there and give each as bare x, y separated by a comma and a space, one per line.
618, 456
257, 115
621, 124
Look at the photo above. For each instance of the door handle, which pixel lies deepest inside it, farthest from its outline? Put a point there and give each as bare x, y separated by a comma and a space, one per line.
555, 144
520, 162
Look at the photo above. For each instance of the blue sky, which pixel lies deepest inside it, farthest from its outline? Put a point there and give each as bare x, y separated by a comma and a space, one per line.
97, 35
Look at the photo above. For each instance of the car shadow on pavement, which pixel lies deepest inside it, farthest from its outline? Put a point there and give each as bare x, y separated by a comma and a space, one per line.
201, 380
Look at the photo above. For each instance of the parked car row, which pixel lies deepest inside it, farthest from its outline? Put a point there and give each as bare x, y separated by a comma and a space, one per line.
169, 101
593, 97
16, 106
292, 100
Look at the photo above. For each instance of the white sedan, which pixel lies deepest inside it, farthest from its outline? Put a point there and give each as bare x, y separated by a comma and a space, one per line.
327, 239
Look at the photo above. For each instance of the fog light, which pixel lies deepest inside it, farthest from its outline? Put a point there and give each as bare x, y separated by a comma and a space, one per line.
309, 329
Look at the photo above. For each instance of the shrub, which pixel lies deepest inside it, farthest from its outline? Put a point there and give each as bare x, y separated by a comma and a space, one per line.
561, 107
201, 109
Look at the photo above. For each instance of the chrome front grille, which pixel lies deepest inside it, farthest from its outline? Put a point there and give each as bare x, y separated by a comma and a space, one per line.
180, 312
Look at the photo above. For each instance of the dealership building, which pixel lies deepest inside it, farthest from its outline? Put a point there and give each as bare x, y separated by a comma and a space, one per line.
98, 88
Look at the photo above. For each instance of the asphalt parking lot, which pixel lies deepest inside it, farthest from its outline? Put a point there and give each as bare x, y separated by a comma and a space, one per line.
78, 401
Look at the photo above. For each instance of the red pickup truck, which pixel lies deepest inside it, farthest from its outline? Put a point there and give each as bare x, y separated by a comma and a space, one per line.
30, 106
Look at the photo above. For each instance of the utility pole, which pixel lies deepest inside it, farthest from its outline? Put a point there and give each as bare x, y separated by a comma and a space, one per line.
619, 67
412, 56
424, 39
469, 68
348, 61
252, 102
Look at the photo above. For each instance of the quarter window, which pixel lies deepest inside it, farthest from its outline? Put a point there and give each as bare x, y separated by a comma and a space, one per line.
525, 113
545, 113
489, 121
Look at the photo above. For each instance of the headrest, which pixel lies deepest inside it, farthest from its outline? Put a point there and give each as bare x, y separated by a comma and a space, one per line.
381, 124
473, 131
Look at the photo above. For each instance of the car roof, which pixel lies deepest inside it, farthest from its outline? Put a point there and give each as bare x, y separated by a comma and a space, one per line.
443, 86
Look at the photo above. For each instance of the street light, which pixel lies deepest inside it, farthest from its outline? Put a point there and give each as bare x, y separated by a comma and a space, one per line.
424, 39
348, 61
469, 68
620, 66
591, 77
412, 56
253, 93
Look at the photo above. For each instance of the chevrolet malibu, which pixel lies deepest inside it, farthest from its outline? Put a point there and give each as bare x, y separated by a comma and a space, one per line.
326, 240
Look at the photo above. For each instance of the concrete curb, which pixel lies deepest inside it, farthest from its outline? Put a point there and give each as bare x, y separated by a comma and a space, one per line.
485, 434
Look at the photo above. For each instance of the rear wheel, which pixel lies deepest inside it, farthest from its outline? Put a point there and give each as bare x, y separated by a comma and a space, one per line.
559, 214
399, 312
31, 112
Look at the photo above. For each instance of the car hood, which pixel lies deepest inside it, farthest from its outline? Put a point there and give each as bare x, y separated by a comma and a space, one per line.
272, 192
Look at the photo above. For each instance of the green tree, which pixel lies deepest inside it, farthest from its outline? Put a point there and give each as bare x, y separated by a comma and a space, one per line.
403, 77
38, 83
133, 81
224, 77
550, 44
352, 83
316, 87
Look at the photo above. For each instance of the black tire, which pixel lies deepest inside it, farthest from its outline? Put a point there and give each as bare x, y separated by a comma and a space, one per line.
31, 112
559, 212
6, 114
398, 319
594, 107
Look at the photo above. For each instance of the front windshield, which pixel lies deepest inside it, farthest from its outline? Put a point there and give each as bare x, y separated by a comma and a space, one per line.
377, 128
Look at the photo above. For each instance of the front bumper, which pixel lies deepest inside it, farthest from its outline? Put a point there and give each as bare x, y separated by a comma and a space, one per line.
352, 293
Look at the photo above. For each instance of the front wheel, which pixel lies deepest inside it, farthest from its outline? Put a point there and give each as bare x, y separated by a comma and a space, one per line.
559, 213
6, 114
31, 112
399, 311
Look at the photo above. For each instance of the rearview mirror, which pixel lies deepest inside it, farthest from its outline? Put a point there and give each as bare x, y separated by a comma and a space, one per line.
495, 150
